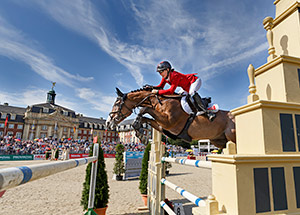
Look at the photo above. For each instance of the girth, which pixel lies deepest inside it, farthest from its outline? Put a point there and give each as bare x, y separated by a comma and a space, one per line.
183, 135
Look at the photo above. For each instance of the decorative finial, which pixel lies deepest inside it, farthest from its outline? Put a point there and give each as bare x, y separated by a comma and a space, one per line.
252, 88
268, 25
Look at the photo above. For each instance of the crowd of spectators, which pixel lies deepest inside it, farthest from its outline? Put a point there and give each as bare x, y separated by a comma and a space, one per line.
40, 146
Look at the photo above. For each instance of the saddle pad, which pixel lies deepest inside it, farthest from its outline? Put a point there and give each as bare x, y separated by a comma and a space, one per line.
185, 106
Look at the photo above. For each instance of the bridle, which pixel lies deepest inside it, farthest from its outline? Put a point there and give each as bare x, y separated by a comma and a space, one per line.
122, 99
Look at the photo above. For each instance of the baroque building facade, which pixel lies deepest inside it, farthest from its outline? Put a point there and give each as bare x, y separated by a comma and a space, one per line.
128, 135
49, 120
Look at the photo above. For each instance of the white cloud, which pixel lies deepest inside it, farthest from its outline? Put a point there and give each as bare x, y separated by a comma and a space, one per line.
29, 96
166, 30
98, 101
15, 45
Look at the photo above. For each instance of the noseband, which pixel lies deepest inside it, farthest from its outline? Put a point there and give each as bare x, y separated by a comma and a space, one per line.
119, 111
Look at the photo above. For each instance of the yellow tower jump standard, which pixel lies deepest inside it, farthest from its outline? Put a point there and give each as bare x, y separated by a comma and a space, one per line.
262, 175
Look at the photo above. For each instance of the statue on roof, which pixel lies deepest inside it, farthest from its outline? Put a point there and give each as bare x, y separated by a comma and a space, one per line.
53, 84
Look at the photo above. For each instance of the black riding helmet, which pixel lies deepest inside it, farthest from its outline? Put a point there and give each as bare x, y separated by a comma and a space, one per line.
163, 66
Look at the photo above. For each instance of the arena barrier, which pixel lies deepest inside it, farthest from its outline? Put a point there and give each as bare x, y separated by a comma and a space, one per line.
15, 176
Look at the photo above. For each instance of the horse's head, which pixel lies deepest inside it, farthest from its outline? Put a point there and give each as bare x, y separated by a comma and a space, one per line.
124, 105
120, 110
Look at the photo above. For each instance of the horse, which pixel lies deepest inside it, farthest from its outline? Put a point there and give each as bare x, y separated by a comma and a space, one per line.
170, 118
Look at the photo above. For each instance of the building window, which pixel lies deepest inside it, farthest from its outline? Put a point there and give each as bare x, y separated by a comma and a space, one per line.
85, 124
65, 129
84, 132
2, 125
65, 113
44, 127
10, 133
84, 138
20, 126
12, 116
11, 125
45, 110
18, 135
79, 131
3, 115
1, 133
43, 135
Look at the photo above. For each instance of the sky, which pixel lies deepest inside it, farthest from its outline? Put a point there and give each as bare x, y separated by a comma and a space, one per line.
90, 47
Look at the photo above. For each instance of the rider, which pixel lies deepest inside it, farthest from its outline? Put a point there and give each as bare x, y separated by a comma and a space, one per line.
189, 83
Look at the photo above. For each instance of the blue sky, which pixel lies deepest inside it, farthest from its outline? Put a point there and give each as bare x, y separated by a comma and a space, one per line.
90, 47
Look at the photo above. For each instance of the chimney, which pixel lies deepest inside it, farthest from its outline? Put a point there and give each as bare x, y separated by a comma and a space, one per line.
5, 104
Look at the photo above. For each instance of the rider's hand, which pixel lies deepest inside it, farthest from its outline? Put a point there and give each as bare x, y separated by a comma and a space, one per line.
154, 91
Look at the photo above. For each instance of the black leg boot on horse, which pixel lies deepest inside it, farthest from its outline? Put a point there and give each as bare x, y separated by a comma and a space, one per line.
200, 107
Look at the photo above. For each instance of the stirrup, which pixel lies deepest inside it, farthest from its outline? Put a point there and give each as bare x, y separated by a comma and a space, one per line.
211, 116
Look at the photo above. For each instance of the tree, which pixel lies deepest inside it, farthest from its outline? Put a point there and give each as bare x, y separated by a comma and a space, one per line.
101, 189
144, 172
119, 168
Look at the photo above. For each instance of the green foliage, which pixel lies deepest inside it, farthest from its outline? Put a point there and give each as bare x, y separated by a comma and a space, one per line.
178, 142
168, 165
47, 155
119, 167
56, 153
144, 171
194, 142
101, 189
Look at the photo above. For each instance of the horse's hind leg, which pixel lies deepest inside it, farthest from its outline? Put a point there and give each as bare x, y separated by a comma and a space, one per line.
220, 143
230, 133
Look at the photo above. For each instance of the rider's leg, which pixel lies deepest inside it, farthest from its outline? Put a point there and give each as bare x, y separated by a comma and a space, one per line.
198, 101
191, 103
200, 106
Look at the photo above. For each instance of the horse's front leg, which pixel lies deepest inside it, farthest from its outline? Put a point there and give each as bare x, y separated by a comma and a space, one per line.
152, 123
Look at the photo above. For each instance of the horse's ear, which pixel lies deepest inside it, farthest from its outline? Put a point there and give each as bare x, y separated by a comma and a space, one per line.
119, 93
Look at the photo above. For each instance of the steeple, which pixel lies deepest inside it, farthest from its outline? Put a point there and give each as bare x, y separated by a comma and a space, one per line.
51, 94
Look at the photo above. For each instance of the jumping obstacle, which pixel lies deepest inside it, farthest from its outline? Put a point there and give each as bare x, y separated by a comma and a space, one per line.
261, 173
192, 198
15, 176
167, 208
157, 181
195, 163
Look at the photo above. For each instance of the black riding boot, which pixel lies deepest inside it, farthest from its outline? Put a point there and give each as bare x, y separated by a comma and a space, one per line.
200, 107
191, 104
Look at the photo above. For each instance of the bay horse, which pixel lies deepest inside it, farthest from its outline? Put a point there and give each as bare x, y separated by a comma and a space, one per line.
169, 116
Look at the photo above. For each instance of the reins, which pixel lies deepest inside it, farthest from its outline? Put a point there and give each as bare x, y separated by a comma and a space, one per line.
123, 98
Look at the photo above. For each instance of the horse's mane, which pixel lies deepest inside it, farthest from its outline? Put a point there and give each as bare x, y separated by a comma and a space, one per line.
141, 89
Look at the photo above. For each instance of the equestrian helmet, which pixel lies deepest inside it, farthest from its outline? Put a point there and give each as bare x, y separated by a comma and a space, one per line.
163, 66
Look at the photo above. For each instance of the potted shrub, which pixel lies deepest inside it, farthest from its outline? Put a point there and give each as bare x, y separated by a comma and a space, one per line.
101, 188
144, 174
119, 168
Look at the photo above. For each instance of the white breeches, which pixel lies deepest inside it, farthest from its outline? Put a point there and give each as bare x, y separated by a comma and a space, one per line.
193, 88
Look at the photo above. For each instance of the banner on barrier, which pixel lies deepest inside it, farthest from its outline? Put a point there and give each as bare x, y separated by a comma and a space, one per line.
75, 156
133, 164
39, 157
15, 157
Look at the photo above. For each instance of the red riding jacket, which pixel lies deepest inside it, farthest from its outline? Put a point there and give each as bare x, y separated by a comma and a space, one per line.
176, 79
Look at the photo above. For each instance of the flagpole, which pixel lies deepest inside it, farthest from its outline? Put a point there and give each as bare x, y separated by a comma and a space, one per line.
5, 126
